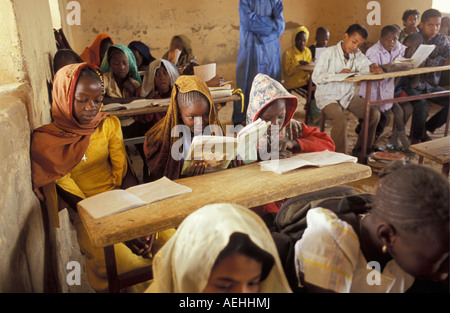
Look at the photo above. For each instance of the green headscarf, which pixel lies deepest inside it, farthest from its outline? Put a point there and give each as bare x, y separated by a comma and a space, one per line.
133, 71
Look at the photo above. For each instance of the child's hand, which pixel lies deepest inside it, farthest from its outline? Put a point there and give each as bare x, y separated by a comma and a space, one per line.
375, 69
141, 246
303, 63
285, 147
197, 169
129, 87
345, 70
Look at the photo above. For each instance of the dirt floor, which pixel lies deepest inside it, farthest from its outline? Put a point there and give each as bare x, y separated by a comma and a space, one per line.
367, 185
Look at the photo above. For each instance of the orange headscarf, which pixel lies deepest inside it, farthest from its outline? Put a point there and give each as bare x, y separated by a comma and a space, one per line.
56, 148
159, 141
91, 54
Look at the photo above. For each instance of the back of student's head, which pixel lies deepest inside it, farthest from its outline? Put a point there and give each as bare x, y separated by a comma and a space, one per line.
389, 29
430, 13
357, 28
408, 13
65, 57
413, 197
415, 38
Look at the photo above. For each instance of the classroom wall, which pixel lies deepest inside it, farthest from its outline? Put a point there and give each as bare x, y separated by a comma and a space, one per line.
213, 26
26, 42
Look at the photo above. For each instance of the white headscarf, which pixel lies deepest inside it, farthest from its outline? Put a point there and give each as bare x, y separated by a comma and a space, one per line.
184, 263
148, 85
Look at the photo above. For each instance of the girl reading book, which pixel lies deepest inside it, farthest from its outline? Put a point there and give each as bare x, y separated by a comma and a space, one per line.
82, 151
271, 102
191, 109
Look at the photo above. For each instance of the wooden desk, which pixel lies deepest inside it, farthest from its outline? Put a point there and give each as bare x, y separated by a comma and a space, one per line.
437, 150
246, 185
163, 108
369, 78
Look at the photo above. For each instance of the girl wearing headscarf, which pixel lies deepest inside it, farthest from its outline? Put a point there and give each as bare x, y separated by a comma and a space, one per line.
297, 54
122, 83
162, 137
188, 261
183, 44
95, 53
142, 54
82, 151
271, 102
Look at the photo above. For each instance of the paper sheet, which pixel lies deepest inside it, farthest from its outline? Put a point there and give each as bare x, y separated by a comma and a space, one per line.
205, 72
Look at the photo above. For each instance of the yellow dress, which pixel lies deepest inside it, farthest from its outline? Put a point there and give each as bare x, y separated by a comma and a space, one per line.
102, 169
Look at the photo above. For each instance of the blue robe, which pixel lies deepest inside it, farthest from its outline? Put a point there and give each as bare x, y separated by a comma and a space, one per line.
261, 25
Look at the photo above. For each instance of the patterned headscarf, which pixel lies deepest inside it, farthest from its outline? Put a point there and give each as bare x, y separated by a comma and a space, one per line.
133, 72
56, 148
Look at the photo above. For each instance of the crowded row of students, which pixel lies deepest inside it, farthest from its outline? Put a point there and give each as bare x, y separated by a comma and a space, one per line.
394, 43
82, 151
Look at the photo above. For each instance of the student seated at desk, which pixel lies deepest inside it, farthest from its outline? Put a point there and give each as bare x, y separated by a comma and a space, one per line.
271, 102
82, 151
295, 80
64, 57
95, 53
429, 83
384, 52
180, 44
322, 37
190, 111
142, 54
220, 248
409, 18
405, 236
122, 85
335, 97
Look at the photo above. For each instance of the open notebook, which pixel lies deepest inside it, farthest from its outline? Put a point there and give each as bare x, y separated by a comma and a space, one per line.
315, 159
119, 200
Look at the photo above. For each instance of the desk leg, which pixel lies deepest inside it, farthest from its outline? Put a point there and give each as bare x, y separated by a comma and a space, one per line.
365, 128
111, 269
308, 101
446, 169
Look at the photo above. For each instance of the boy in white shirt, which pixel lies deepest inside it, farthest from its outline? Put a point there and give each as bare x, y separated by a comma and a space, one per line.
336, 96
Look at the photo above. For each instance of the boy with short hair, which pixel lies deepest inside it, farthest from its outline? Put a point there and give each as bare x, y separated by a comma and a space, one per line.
322, 37
333, 97
383, 53
409, 18
429, 83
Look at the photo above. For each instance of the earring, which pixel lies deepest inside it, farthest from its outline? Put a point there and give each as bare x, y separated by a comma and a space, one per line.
384, 249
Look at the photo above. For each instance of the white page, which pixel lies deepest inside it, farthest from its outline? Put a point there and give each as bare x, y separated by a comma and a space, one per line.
205, 72
161, 189
422, 54
319, 159
319, 52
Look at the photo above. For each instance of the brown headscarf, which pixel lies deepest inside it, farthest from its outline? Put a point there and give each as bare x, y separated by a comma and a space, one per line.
159, 141
56, 148
91, 54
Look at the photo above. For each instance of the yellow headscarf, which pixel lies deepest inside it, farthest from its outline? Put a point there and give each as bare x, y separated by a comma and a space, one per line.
298, 30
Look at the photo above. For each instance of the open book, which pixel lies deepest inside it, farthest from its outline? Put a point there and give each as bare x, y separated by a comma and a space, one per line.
136, 104
119, 200
317, 159
218, 151
338, 77
421, 54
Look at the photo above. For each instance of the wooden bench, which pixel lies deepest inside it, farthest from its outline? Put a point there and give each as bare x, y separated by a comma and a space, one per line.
437, 150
